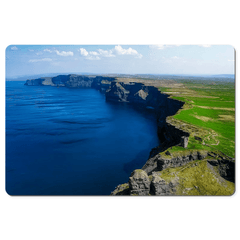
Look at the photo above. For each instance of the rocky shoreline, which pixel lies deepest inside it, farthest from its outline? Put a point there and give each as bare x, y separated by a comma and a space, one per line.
148, 180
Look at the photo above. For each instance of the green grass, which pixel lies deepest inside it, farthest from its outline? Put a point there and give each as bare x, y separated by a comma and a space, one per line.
196, 178
210, 108
162, 89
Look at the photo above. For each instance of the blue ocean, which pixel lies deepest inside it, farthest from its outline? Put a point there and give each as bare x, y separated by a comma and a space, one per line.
66, 141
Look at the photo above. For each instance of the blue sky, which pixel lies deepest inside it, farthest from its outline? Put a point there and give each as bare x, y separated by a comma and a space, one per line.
134, 59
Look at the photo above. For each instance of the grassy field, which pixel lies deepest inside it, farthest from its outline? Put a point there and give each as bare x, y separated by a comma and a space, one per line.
198, 179
208, 114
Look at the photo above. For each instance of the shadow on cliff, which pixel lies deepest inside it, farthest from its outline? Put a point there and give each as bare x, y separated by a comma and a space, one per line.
139, 161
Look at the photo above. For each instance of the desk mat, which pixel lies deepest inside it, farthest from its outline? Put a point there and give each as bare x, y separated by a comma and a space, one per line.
139, 120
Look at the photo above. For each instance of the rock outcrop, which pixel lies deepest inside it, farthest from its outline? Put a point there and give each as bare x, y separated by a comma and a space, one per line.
139, 183
164, 160
225, 167
160, 187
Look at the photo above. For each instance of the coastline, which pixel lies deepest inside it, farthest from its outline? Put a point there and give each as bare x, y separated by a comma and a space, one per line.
171, 133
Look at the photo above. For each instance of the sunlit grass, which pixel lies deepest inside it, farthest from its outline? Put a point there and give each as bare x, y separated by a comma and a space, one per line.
210, 108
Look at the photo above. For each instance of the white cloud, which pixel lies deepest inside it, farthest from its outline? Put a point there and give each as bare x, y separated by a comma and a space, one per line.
89, 55
14, 48
205, 45
96, 55
83, 52
64, 54
39, 53
30, 50
230, 60
60, 53
106, 53
175, 57
40, 60
47, 50
130, 51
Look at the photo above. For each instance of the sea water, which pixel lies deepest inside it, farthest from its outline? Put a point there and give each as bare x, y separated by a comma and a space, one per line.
68, 141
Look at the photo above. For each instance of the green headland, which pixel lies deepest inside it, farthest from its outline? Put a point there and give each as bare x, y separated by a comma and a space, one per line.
209, 112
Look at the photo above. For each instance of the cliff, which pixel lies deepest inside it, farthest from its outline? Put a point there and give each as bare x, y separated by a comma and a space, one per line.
73, 81
166, 171
142, 95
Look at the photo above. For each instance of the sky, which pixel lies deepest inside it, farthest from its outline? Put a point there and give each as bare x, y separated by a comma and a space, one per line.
125, 59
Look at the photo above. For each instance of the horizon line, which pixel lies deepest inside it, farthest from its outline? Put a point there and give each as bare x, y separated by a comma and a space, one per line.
133, 74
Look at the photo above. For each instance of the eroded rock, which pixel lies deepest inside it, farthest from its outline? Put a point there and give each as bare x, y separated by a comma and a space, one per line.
227, 169
139, 183
158, 185
164, 162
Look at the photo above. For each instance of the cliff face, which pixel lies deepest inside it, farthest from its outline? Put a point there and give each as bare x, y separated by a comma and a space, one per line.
161, 161
146, 96
150, 97
73, 81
